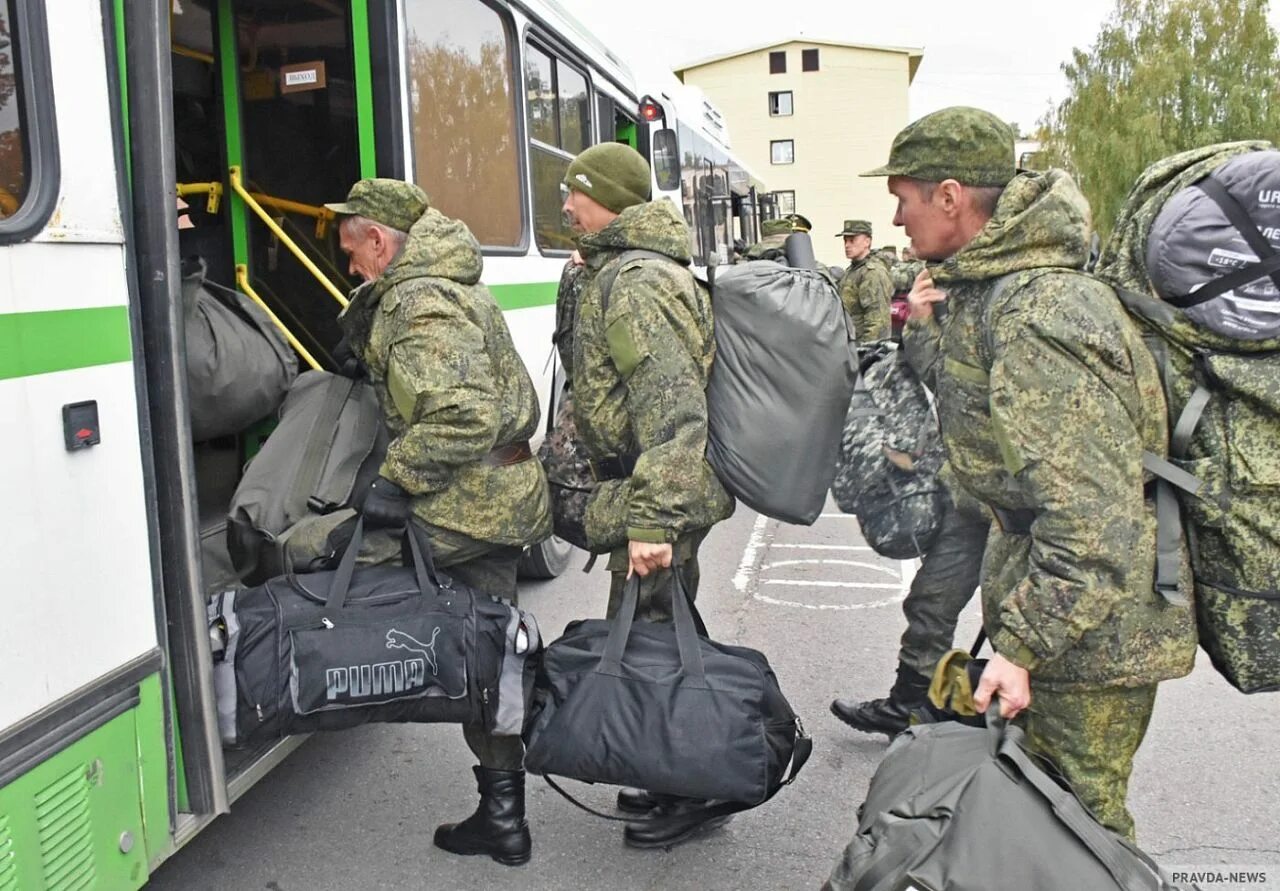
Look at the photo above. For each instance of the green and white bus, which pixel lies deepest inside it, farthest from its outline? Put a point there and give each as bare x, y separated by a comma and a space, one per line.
258, 112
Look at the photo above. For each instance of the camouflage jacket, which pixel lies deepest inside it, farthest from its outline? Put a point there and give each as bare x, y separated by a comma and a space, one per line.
452, 387
639, 382
865, 291
1048, 397
904, 275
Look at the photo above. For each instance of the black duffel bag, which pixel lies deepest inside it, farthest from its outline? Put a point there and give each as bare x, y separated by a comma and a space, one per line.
657, 706
331, 650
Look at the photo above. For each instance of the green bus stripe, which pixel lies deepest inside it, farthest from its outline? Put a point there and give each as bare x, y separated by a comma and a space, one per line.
525, 296
42, 342
364, 87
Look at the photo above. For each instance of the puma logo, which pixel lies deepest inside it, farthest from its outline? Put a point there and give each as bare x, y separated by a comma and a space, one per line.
398, 640
385, 678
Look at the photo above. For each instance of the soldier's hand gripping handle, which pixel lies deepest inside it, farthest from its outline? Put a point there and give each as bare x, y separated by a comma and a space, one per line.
1011, 682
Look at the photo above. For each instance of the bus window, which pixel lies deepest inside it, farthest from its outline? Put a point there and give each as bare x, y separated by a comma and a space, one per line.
13, 152
28, 145
559, 108
462, 111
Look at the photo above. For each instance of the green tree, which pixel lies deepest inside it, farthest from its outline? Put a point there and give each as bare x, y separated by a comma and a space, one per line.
1163, 76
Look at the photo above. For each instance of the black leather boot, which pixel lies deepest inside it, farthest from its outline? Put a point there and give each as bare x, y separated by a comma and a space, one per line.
675, 819
635, 801
498, 827
890, 715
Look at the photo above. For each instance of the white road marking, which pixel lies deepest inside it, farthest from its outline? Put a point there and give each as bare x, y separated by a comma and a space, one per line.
893, 586
824, 547
760, 538
837, 517
874, 566
889, 601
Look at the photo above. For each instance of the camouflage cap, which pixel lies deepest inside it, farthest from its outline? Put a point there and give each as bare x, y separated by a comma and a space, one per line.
391, 202
775, 227
855, 227
969, 145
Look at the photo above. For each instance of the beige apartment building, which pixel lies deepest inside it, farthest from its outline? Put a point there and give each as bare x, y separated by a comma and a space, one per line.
808, 116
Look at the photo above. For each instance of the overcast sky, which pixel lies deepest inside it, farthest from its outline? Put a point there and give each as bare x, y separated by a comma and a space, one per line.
996, 54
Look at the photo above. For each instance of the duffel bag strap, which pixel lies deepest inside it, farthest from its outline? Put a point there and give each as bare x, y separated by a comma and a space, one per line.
320, 438
688, 625
799, 755
1067, 808
424, 567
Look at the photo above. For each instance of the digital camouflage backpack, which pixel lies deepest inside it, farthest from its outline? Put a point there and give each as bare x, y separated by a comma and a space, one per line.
1222, 496
890, 455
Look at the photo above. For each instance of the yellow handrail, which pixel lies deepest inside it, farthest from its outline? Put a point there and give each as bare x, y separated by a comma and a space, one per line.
280, 234
242, 281
213, 190
322, 215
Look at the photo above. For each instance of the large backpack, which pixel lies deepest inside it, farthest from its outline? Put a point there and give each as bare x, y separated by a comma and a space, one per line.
325, 451
1220, 491
890, 455
785, 366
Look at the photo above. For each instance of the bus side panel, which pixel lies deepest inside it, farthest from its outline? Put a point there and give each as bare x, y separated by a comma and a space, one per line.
78, 589
83, 818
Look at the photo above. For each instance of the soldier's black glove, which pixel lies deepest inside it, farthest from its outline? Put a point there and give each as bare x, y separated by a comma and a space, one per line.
386, 505
349, 364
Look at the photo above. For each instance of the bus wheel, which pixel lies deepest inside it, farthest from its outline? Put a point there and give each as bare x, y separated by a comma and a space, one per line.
546, 560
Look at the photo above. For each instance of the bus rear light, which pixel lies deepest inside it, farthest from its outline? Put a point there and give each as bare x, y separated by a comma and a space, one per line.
651, 110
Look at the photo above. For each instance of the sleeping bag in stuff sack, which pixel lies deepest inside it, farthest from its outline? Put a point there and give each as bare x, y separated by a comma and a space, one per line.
335, 649
1218, 495
325, 451
239, 365
784, 371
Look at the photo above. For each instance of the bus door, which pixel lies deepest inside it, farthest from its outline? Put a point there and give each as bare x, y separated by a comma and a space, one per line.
271, 118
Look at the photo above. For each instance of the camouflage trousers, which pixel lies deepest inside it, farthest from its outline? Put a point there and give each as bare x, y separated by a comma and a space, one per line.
484, 567
1092, 736
944, 585
655, 589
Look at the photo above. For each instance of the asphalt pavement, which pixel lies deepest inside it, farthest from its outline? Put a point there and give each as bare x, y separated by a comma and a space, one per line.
356, 810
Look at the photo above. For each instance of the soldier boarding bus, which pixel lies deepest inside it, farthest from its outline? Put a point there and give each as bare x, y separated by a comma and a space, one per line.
255, 113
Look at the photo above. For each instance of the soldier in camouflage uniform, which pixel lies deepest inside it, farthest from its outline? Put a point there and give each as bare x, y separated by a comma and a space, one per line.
773, 236
1048, 398
865, 287
460, 408
640, 367
905, 273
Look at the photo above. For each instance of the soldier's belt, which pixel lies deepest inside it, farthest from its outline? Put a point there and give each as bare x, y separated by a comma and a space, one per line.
512, 453
615, 467
1014, 522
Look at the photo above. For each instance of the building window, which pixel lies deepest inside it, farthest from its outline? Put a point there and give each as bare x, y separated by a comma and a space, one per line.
465, 151
778, 62
782, 151
559, 128
785, 202
780, 105
809, 60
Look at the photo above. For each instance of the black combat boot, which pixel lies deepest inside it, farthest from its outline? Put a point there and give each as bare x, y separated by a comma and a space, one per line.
498, 827
636, 801
890, 715
675, 819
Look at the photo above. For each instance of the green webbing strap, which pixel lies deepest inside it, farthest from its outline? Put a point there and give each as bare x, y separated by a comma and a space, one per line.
610, 276
1180, 438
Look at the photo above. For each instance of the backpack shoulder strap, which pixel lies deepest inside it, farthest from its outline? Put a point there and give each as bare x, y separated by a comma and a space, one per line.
1006, 285
609, 276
